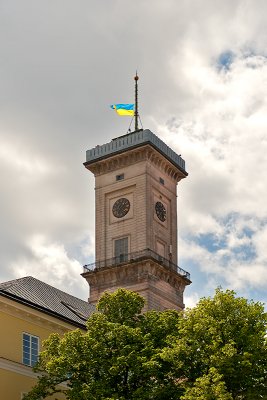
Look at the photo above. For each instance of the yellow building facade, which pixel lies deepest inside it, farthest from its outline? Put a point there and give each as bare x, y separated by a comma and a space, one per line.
25, 323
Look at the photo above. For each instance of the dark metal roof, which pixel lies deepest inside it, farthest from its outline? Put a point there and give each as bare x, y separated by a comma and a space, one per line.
48, 299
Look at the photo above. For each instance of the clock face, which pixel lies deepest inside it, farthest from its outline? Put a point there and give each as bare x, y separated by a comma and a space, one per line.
160, 211
121, 207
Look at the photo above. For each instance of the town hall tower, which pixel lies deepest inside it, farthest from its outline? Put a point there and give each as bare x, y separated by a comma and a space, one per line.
136, 178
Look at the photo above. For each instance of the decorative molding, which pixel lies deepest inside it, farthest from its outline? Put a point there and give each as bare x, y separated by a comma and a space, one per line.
21, 369
143, 153
17, 310
17, 368
135, 274
134, 270
132, 140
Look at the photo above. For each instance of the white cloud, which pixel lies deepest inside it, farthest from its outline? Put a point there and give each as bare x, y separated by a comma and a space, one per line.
246, 276
50, 262
65, 63
21, 161
191, 301
225, 148
260, 244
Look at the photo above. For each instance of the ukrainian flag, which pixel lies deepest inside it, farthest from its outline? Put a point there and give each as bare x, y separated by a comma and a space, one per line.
123, 109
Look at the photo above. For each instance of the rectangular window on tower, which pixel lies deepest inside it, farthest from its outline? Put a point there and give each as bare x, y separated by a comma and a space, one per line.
121, 250
119, 177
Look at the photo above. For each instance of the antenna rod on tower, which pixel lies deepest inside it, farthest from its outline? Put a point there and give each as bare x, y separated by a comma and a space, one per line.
136, 103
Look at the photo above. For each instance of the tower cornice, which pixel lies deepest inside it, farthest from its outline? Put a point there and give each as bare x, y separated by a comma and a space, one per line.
140, 276
145, 152
133, 140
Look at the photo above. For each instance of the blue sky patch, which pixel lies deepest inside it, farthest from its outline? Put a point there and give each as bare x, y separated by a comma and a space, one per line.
245, 252
210, 242
225, 60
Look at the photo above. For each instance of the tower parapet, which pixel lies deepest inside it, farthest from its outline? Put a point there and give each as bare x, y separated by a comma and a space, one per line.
131, 141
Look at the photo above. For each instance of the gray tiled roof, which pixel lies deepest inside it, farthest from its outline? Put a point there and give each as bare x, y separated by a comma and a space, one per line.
46, 298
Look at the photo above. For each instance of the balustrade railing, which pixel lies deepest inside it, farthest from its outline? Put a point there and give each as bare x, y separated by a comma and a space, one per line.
136, 256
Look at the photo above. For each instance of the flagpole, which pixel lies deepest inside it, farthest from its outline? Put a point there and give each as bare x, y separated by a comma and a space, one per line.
136, 103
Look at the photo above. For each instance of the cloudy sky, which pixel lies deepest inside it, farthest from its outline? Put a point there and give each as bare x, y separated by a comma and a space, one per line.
203, 84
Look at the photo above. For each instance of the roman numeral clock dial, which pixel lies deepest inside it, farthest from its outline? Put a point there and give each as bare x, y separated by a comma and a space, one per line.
160, 211
121, 207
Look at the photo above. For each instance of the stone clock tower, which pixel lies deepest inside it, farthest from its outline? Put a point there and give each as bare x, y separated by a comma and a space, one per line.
136, 176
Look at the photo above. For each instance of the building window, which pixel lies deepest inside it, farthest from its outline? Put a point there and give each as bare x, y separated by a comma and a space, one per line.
121, 250
119, 177
30, 349
161, 180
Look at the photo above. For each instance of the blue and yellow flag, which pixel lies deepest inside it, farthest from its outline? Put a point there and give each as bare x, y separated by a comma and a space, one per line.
123, 109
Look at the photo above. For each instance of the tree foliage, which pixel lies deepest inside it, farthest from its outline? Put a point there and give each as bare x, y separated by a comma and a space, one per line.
228, 334
208, 387
215, 351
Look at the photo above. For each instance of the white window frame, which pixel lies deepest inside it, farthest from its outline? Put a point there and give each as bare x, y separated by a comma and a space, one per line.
31, 350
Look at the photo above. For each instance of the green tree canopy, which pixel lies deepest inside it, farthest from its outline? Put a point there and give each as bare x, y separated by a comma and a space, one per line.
208, 387
215, 351
117, 358
226, 334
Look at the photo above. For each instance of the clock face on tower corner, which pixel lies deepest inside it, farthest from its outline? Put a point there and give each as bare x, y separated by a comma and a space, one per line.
121, 207
160, 211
